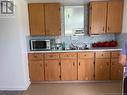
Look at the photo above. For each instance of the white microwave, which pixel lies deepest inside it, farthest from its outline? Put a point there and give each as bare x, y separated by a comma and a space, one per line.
37, 45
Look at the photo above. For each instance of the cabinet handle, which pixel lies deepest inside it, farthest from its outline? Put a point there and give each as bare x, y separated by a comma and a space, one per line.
59, 63
35, 56
102, 55
73, 63
79, 63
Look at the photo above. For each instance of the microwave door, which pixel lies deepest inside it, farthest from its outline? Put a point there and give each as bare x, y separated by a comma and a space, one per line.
39, 45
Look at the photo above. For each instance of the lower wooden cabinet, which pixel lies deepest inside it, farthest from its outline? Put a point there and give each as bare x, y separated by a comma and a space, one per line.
75, 66
86, 69
116, 70
102, 69
36, 67
52, 70
68, 69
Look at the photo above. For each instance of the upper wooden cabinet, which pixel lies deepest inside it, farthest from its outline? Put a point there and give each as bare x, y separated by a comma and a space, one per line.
44, 19
52, 19
105, 17
98, 11
36, 19
114, 18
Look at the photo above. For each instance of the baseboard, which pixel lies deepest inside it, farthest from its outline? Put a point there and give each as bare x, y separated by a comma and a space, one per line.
15, 87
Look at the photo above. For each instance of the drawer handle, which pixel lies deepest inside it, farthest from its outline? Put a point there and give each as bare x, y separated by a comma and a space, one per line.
102, 55
85, 55
73, 63
35, 56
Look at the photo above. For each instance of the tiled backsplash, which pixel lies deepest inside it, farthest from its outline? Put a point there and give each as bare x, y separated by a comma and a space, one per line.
80, 40
121, 38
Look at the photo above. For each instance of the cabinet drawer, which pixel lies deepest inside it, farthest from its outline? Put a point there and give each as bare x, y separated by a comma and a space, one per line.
115, 54
68, 55
86, 55
52, 56
35, 56
102, 55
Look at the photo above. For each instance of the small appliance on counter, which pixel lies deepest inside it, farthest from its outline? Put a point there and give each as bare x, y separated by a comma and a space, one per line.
38, 45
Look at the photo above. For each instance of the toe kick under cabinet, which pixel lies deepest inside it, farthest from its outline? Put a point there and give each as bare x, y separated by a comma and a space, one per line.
72, 66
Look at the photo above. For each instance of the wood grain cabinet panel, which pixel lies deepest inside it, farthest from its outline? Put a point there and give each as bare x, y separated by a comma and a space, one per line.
68, 69
36, 67
52, 70
86, 55
116, 70
105, 16
36, 19
44, 19
102, 55
98, 11
114, 18
102, 69
85, 69
52, 19
52, 56
68, 55
115, 54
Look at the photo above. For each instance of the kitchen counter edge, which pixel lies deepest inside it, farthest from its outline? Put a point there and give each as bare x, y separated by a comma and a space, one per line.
89, 50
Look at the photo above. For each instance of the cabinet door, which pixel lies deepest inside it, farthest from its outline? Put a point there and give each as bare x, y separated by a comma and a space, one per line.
36, 19
116, 70
68, 69
102, 69
52, 19
52, 70
36, 70
86, 69
98, 11
115, 13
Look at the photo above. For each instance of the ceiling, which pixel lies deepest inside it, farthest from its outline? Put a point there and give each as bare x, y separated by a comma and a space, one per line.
62, 1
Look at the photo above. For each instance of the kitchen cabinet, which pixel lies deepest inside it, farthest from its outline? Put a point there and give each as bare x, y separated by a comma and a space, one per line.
102, 69
44, 19
116, 68
86, 66
52, 66
114, 17
36, 19
97, 19
36, 67
52, 19
102, 66
105, 17
68, 66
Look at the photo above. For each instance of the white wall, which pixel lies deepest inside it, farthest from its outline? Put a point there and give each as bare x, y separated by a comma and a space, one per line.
124, 29
13, 50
